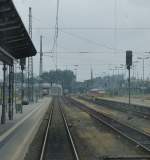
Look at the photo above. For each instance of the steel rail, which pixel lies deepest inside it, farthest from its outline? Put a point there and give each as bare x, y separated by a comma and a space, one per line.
127, 158
136, 113
46, 133
141, 115
68, 132
139, 138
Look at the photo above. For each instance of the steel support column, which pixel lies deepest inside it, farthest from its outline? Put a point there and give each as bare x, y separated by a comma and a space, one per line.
9, 94
10, 99
3, 116
22, 89
22, 64
15, 84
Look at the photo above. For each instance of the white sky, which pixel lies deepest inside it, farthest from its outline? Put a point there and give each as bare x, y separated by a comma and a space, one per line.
92, 26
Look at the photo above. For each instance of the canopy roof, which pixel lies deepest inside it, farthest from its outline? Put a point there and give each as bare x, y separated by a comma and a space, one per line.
14, 38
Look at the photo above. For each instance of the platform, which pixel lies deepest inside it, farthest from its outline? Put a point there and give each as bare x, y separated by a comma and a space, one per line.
16, 135
137, 101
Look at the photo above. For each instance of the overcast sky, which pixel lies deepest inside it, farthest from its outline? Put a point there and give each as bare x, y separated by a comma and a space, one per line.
94, 26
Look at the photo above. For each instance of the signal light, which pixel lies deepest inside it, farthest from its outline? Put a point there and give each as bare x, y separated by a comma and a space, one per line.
128, 59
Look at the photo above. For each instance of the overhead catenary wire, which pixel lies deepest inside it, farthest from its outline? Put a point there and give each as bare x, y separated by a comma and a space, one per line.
91, 41
83, 52
47, 53
92, 28
95, 28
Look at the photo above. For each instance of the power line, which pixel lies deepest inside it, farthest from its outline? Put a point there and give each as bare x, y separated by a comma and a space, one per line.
91, 41
93, 64
83, 52
93, 28
47, 53
118, 50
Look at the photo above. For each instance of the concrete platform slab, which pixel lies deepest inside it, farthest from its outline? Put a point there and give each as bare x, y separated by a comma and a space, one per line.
17, 135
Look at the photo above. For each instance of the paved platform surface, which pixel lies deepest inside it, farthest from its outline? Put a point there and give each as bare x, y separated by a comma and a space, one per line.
137, 101
17, 116
16, 135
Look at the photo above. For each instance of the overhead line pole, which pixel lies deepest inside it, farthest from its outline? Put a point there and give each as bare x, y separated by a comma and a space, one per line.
41, 63
41, 56
30, 64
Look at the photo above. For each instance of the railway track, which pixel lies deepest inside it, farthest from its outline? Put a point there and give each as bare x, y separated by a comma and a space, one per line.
58, 143
127, 158
136, 113
141, 115
140, 139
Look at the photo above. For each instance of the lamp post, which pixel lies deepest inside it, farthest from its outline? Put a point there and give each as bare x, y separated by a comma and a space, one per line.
120, 81
143, 60
116, 80
134, 68
134, 76
113, 74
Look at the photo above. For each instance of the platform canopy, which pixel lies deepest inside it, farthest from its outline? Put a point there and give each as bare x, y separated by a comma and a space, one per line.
15, 42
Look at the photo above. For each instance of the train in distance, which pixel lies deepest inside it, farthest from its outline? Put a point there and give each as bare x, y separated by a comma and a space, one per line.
51, 89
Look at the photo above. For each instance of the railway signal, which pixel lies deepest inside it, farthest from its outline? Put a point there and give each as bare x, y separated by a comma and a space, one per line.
129, 64
128, 59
